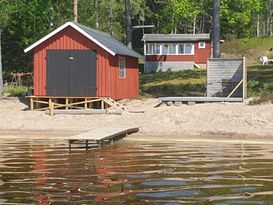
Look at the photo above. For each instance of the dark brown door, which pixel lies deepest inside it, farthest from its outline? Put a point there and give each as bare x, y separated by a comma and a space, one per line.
71, 73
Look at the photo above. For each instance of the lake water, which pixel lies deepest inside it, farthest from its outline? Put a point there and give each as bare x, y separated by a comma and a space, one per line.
132, 172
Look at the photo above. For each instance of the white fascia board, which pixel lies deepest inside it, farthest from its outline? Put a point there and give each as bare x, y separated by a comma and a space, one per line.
63, 27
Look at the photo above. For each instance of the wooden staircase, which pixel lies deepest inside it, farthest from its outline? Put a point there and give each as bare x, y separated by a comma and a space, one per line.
114, 104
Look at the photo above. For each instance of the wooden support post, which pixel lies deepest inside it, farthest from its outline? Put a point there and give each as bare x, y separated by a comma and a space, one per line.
51, 107
102, 104
245, 80
69, 144
36, 104
31, 104
99, 143
66, 103
86, 144
85, 103
237, 86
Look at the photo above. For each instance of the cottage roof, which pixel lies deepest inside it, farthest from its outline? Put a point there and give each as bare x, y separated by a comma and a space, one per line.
175, 37
104, 40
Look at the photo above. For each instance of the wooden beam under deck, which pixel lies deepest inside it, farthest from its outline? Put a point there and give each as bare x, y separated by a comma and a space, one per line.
40, 103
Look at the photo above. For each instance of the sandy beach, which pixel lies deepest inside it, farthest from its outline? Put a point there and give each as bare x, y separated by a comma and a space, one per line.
217, 120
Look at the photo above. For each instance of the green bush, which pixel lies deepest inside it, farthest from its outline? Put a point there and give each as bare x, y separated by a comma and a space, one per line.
268, 87
265, 97
256, 88
253, 88
15, 91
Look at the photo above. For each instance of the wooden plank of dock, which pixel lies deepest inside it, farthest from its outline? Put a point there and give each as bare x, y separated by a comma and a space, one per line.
100, 135
199, 99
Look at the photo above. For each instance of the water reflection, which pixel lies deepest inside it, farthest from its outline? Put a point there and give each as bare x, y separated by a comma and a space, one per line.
46, 172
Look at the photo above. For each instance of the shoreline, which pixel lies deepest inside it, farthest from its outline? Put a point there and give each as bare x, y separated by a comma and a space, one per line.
225, 121
147, 137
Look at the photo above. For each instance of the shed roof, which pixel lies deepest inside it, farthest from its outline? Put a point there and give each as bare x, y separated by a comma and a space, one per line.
175, 37
104, 40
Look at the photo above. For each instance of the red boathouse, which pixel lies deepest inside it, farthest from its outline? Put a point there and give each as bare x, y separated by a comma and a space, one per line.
175, 51
77, 61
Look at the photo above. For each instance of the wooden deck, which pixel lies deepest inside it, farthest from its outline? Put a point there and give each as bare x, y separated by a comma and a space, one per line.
199, 99
100, 136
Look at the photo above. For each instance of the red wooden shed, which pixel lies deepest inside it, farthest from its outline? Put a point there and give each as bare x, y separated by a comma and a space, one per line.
77, 61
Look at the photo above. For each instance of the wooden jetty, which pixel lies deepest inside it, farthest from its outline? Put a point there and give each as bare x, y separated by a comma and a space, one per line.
100, 136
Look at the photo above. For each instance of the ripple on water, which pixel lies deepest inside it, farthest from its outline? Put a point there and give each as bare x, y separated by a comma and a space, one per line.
164, 194
164, 183
44, 171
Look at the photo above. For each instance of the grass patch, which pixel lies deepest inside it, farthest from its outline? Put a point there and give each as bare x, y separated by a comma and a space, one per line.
178, 83
260, 73
251, 48
193, 82
15, 91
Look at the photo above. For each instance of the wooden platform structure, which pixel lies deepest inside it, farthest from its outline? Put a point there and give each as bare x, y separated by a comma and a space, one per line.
50, 103
226, 82
100, 136
198, 99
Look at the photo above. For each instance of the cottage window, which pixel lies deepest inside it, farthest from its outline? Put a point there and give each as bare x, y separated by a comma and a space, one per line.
186, 48
202, 45
156, 50
149, 48
165, 49
172, 48
181, 49
122, 71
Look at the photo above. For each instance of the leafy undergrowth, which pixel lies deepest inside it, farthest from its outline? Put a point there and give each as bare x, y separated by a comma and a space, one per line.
260, 82
251, 48
15, 91
179, 83
264, 97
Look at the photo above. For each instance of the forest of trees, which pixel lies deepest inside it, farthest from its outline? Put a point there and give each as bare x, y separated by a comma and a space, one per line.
25, 21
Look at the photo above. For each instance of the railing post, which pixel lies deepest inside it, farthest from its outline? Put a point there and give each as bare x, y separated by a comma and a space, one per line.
66, 103
85, 103
31, 104
102, 104
51, 107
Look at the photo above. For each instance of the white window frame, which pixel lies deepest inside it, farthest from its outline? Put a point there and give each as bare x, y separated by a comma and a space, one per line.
185, 54
202, 42
153, 47
120, 68
149, 46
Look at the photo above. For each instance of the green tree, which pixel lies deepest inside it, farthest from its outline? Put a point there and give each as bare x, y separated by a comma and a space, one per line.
237, 16
5, 14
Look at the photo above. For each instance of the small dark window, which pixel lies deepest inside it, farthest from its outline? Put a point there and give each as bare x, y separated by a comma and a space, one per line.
122, 71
